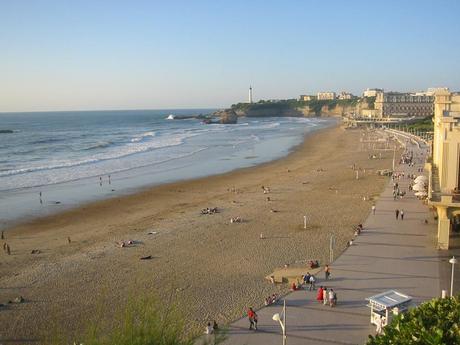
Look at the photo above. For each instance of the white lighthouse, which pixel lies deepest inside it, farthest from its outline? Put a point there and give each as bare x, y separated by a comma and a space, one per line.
250, 94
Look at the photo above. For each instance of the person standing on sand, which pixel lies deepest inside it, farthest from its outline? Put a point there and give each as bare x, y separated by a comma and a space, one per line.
209, 329
402, 214
373, 209
397, 214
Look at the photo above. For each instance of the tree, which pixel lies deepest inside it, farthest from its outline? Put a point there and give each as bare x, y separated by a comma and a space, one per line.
434, 322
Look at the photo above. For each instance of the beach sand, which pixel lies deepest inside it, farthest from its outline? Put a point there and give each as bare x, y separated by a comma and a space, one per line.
214, 269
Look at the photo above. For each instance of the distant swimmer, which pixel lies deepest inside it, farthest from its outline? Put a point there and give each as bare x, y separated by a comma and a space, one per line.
100, 181
109, 180
40, 196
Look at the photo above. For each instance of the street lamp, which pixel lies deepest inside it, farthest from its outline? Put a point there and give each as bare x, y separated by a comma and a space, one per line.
452, 261
282, 320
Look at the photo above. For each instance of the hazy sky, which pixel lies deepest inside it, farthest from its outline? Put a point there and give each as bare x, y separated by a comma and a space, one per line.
64, 55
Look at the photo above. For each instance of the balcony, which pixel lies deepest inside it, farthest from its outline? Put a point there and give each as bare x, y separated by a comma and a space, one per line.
435, 195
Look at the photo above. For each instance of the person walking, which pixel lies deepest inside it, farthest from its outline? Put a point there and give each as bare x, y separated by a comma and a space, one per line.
320, 296
312, 283
327, 272
332, 298
325, 296
397, 214
402, 214
373, 209
251, 315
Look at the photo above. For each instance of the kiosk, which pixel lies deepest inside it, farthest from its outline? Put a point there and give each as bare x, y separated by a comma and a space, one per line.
385, 305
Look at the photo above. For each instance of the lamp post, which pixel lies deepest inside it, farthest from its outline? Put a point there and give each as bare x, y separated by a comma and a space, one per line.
452, 261
331, 248
282, 320
394, 156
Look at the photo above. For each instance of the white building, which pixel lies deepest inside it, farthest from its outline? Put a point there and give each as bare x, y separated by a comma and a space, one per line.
371, 92
325, 95
307, 98
345, 95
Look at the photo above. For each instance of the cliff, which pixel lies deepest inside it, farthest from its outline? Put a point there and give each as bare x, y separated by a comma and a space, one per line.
294, 108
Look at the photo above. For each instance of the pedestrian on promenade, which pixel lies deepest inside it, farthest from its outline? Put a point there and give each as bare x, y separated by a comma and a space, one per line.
402, 214
332, 298
319, 296
312, 283
251, 315
397, 214
379, 323
306, 279
255, 321
327, 272
325, 296
373, 209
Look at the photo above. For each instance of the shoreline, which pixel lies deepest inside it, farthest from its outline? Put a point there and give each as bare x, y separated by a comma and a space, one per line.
124, 183
215, 268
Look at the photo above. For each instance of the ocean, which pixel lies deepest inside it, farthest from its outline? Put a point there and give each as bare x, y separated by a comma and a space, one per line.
52, 161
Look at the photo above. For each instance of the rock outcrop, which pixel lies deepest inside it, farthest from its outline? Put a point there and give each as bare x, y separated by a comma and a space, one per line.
227, 116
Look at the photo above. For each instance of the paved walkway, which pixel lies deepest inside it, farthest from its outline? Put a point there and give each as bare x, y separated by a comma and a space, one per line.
389, 254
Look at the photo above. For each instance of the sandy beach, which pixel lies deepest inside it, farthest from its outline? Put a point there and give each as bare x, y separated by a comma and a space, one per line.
214, 268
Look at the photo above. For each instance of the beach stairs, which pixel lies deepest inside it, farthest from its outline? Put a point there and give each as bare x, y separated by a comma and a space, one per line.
291, 273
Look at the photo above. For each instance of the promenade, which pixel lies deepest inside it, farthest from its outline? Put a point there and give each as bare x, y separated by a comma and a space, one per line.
389, 254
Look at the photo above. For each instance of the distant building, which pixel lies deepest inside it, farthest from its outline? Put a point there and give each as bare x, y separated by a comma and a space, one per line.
444, 170
432, 90
250, 95
345, 95
307, 98
397, 104
325, 95
371, 92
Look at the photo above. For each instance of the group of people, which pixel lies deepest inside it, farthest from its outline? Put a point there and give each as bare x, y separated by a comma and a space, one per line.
271, 299
236, 220
309, 280
407, 158
399, 213
397, 192
327, 296
358, 230
211, 328
208, 210
324, 295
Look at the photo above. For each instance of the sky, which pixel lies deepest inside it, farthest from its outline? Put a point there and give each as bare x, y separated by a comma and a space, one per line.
98, 54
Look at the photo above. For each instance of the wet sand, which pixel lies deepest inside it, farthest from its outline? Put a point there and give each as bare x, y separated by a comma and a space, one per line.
213, 268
